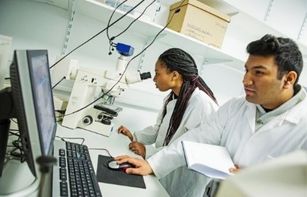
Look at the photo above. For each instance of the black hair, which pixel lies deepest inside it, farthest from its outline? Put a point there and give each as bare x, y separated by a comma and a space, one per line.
176, 59
287, 55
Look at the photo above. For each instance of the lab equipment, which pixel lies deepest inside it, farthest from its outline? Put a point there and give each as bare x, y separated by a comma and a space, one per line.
87, 88
91, 103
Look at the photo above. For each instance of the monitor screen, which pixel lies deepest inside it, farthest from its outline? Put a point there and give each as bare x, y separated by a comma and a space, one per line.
33, 103
42, 97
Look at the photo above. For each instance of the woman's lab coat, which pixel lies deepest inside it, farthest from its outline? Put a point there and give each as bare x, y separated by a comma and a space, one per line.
199, 108
233, 126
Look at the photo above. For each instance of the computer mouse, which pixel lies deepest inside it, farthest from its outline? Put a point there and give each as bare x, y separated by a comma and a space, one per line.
113, 165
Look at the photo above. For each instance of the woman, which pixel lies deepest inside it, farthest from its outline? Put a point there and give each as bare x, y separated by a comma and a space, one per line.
189, 102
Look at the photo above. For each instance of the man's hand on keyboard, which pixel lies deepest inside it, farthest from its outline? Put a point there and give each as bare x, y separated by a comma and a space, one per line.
142, 167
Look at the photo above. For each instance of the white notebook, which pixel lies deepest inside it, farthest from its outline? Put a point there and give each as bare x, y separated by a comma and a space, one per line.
210, 160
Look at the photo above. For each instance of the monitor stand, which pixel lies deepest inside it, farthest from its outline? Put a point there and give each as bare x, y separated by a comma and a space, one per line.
16, 178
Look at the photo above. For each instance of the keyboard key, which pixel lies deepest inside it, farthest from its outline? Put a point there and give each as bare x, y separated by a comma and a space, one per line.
63, 189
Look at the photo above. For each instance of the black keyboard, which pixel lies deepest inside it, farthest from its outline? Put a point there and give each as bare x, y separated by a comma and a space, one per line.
76, 172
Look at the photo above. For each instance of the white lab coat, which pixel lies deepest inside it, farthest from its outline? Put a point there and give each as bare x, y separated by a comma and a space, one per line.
283, 177
199, 107
233, 126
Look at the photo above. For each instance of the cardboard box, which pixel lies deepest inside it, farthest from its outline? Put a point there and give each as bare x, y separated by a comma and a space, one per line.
199, 21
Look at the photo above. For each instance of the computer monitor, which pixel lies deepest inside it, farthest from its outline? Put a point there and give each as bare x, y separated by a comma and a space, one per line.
33, 103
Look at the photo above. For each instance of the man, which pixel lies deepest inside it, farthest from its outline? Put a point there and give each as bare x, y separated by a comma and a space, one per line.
269, 122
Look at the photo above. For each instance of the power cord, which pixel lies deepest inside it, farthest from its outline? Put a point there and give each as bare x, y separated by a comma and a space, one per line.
91, 38
17, 151
13, 133
134, 57
72, 138
111, 43
57, 83
102, 149
113, 37
14, 121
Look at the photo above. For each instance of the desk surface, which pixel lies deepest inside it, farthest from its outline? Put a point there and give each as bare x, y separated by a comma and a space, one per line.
116, 144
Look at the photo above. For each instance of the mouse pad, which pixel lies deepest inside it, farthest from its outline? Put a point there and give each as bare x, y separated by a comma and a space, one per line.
106, 175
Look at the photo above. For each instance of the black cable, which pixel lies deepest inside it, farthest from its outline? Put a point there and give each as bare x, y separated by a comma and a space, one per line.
13, 121
127, 65
72, 138
16, 154
91, 38
97, 133
18, 147
58, 82
16, 143
102, 149
59, 119
12, 133
110, 18
111, 43
134, 20
61, 111
9, 157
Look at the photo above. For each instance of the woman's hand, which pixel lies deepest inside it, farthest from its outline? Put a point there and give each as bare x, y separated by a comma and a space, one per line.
125, 131
138, 148
141, 167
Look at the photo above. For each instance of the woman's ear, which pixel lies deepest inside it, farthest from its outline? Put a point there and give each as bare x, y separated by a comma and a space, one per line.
290, 79
176, 76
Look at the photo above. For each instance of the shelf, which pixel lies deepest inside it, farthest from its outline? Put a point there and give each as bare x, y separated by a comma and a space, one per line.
147, 30
221, 6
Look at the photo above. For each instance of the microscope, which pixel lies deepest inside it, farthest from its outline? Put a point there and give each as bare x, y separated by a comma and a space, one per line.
94, 88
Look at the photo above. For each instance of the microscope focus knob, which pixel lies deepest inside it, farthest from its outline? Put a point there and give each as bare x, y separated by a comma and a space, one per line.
106, 121
87, 120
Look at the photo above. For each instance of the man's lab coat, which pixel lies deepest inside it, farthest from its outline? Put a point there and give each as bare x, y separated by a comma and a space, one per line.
233, 126
284, 176
199, 108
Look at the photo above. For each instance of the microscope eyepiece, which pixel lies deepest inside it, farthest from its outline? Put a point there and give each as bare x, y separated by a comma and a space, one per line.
145, 75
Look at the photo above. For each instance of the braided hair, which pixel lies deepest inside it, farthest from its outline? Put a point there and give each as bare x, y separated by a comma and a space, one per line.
178, 60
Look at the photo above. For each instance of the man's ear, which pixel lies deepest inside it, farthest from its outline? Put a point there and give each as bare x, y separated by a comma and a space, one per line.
290, 79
